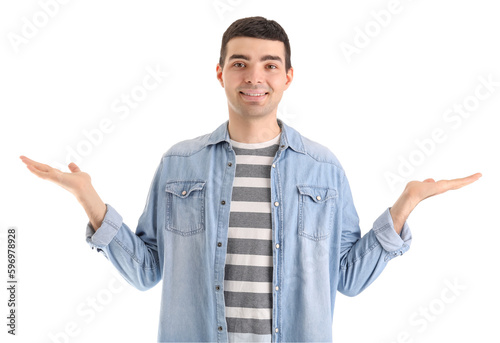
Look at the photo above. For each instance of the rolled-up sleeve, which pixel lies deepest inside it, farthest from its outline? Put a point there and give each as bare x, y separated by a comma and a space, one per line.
109, 228
394, 244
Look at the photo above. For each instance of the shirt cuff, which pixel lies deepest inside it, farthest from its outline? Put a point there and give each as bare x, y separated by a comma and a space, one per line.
107, 231
390, 241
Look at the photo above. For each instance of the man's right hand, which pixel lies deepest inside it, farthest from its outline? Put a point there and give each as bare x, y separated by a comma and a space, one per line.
76, 182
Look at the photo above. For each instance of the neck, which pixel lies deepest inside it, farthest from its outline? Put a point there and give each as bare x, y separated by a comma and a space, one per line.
254, 130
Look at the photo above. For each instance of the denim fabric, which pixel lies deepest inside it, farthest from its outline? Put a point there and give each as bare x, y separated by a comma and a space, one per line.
181, 239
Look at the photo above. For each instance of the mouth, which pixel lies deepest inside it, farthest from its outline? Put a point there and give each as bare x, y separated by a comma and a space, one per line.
254, 96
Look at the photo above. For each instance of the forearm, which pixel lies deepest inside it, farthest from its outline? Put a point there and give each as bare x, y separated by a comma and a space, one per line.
364, 260
93, 206
401, 210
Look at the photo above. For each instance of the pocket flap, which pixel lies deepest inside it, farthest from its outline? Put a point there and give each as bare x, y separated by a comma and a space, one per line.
316, 193
182, 189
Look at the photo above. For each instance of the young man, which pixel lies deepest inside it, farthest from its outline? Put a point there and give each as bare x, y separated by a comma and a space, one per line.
252, 227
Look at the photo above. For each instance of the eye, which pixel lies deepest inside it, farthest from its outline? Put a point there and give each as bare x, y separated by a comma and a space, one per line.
239, 65
272, 66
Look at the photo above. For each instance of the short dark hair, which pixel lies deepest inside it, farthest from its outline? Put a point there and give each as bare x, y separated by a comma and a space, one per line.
256, 27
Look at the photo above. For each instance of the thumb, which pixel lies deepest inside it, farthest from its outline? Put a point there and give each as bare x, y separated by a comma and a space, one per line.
429, 180
73, 167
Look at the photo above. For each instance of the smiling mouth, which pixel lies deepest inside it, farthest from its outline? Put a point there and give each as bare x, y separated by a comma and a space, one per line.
254, 94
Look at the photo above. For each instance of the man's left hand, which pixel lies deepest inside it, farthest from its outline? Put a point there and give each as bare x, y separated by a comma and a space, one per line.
416, 191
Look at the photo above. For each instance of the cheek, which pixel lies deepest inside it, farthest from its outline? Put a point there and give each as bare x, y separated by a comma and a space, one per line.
278, 87
279, 83
229, 81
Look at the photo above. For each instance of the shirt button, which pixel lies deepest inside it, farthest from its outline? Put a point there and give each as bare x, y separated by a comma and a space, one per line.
223, 202
318, 197
277, 288
217, 287
274, 166
276, 204
276, 330
229, 164
277, 246
184, 192
220, 328
219, 244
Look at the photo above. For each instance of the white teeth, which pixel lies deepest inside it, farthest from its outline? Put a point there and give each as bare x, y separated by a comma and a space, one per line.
254, 94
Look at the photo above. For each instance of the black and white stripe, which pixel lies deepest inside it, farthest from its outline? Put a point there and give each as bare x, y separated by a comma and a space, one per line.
249, 261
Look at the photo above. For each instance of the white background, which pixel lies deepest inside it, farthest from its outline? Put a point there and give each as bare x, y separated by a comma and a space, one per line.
369, 108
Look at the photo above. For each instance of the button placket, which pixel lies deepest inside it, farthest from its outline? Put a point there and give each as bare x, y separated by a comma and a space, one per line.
277, 252
221, 238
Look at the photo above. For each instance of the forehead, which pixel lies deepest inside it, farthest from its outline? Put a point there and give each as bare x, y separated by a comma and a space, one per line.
255, 47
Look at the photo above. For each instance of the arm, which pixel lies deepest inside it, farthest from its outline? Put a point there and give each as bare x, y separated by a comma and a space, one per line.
135, 255
362, 259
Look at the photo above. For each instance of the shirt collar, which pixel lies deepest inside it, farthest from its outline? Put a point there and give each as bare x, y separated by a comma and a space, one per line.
289, 136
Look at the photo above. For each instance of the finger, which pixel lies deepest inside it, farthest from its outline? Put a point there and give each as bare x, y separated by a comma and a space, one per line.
41, 170
73, 167
461, 182
37, 172
37, 165
429, 180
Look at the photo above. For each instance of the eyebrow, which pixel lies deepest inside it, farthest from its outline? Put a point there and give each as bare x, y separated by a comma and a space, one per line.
262, 59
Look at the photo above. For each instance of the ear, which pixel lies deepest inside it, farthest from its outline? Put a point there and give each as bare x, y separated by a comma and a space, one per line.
219, 75
289, 78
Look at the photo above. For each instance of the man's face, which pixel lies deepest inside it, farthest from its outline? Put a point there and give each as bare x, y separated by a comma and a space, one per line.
254, 76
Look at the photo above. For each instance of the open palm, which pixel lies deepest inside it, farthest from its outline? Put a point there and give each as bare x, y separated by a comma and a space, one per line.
73, 182
416, 191
421, 190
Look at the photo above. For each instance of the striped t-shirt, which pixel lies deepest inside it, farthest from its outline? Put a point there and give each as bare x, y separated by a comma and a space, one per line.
249, 261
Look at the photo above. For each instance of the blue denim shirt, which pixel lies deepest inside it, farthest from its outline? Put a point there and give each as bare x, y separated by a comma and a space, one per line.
181, 239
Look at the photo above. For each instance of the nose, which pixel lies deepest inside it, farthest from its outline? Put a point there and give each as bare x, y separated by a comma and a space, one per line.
254, 76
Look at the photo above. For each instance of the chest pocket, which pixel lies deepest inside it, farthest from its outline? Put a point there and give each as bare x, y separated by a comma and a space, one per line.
185, 213
316, 211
